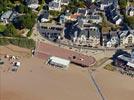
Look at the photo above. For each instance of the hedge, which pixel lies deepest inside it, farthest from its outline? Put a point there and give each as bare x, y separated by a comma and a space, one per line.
109, 67
21, 42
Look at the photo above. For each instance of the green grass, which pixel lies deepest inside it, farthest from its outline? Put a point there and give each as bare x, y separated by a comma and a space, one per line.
109, 67
2, 27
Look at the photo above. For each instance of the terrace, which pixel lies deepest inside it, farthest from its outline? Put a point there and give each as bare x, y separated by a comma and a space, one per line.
45, 51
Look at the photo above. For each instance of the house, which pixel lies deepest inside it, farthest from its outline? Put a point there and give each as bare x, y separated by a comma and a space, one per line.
113, 15
62, 19
72, 17
91, 1
94, 36
127, 38
84, 36
52, 32
111, 39
82, 11
34, 4
130, 11
105, 3
92, 9
44, 17
65, 2
95, 19
90, 37
125, 63
55, 5
8, 16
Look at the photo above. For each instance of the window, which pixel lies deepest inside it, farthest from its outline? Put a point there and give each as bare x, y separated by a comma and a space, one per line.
130, 40
121, 41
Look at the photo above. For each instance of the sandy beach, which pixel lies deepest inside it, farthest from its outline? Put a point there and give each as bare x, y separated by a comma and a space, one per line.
35, 80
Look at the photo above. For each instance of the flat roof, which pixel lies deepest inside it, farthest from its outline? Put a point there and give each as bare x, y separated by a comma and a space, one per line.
125, 58
130, 64
59, 60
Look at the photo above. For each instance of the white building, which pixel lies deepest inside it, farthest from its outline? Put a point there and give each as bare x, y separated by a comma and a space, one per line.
55, 5
65, 2
127, 38
130, 11
34, 4
95, 19
118, 21
59, 62
82, 11
6, 16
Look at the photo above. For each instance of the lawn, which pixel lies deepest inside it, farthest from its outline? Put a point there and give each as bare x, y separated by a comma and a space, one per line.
110, 67
2, 27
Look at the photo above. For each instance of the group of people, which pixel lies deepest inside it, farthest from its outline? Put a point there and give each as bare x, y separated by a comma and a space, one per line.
14, 61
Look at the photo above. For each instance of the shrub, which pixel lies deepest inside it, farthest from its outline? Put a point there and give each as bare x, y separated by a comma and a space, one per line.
39, 8
29, 33
54, 13
4, 41
21, 42
109, 67
130, 21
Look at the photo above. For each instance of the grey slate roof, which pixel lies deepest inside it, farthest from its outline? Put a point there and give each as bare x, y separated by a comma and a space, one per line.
94, 33
126, 33
94, 17
115, 2
7, 14
28, 2
82, 11
45, 14
130, 8
54, 4
84, 32
65, 1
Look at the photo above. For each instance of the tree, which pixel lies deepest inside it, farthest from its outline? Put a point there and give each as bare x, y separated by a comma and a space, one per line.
10, 30
13, 1
29, 33
130, 21
20, 8
23, 9
41, 2
3, 5
123, 3
26, 21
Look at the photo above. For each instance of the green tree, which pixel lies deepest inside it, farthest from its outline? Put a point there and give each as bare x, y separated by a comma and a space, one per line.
3, 5
29, 33
10, 30
20, 8
123, 3
41, 2
130, 21
27, 21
